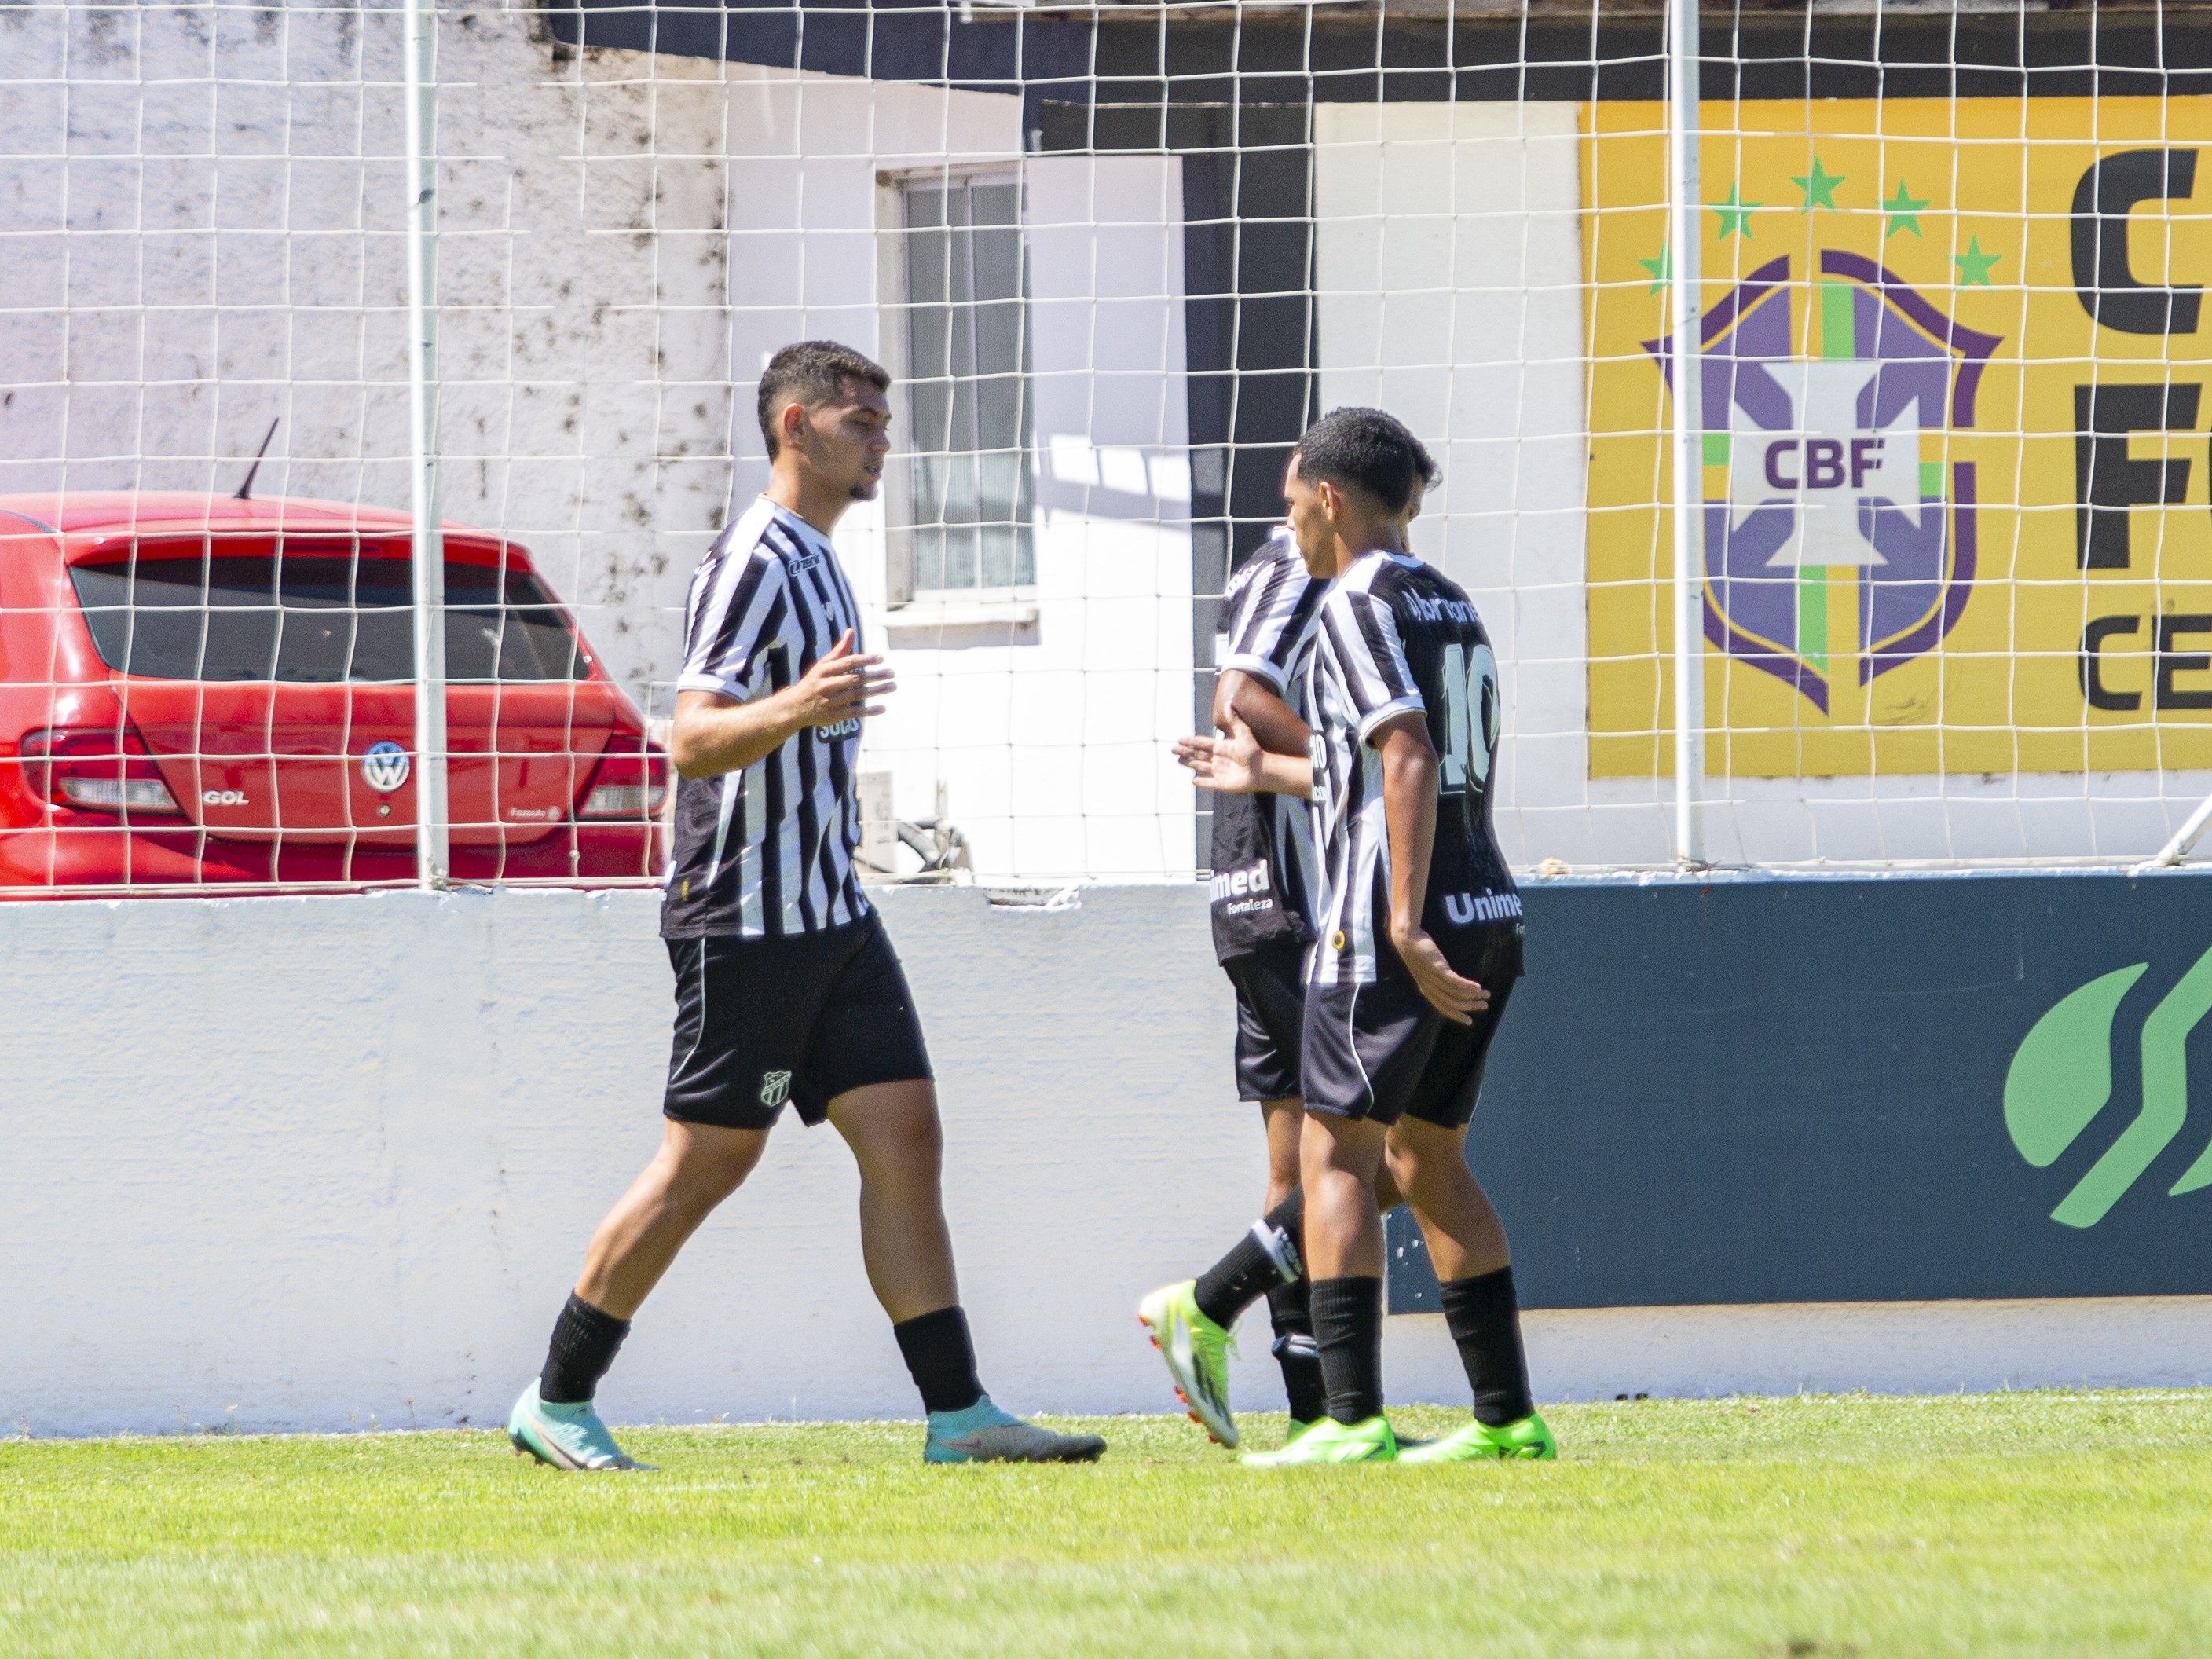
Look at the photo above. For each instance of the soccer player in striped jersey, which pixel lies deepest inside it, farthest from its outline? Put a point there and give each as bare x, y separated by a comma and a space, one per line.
1263, 904
1419, 943
786, 986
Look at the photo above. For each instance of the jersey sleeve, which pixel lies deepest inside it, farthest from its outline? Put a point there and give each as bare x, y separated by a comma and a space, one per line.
1270, 607
1375, 672
738, 608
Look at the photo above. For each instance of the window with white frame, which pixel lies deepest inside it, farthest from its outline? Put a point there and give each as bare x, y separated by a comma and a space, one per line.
968, 497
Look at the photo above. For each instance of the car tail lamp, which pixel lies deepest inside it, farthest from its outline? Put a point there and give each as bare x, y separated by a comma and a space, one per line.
631, 781
102, 768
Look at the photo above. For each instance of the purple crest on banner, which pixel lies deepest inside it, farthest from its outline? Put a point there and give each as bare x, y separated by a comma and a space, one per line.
1826, 479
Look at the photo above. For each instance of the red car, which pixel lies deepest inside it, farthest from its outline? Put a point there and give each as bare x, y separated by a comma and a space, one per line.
198, 691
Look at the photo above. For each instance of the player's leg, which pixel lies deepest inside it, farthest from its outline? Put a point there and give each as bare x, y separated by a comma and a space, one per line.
699, 1165
898, 1142
717, 1112
1339, 1158
867, 1073
1189, 1322
1363, 1046
1468, 1247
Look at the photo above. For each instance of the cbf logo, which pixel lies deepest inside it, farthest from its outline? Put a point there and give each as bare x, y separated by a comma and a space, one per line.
2060, 1084
1835, 532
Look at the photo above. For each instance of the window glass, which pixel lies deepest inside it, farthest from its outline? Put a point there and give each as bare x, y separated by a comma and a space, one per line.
315, 618
968, 385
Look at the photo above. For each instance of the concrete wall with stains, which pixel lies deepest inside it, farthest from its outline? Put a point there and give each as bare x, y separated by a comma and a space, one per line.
331, 1162
204, 233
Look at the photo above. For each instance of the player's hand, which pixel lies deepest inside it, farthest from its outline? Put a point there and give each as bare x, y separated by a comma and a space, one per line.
1227, 765
840, 686
1458, 1000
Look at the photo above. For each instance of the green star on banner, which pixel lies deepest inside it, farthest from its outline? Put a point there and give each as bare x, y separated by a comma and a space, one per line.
1820, 188
1662, 268
1904, 213
1974, 265
1735, 216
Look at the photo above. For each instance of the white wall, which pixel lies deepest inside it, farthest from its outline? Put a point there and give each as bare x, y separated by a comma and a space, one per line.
1449, 260
1046, 715
321, 1163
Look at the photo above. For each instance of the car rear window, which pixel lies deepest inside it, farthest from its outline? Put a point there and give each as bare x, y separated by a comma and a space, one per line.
315, 617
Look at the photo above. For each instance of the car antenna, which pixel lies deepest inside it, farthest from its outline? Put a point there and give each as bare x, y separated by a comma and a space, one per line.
244, 492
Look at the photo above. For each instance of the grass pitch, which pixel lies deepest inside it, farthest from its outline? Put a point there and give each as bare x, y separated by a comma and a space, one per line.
2059, 1523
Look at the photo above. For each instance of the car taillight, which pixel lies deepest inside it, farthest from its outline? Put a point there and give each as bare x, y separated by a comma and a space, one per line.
631, 783
104, 768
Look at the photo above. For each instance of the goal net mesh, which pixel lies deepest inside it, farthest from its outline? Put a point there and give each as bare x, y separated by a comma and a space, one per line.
1957, 545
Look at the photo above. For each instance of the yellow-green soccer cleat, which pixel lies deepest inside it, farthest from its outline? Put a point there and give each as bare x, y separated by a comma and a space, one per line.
1479, 1443
1196, 1350
1331, 1441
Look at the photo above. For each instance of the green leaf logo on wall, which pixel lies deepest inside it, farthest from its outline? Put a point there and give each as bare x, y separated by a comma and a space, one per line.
2061, 1079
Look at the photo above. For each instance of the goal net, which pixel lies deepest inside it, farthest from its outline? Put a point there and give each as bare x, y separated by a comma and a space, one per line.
1952, 554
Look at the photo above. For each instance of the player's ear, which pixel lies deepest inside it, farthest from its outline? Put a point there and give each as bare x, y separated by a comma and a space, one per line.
791, 421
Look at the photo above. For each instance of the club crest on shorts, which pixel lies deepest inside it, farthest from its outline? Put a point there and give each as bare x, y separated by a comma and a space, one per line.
775, 1086
1838, 542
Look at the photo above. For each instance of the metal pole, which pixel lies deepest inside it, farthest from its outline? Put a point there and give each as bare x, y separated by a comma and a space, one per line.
432, 861
2183, 838
1683, 241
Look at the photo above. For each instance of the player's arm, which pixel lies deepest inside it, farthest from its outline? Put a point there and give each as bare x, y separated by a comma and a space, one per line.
716, 733
1264, 748
1273, 720
1409, 809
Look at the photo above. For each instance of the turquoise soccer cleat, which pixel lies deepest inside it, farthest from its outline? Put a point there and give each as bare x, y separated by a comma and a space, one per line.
568, 1437
984, 1434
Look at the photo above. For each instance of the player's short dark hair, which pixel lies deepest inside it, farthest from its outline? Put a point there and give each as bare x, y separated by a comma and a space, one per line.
814, 372
1367, 450
1425, 465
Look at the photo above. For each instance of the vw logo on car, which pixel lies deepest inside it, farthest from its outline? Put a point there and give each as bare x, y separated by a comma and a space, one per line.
384, 765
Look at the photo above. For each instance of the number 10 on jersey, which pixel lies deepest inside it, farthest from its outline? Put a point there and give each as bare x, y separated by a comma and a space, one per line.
1472, 717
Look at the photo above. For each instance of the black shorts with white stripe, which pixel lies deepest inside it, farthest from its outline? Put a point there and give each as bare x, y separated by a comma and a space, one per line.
805, 1018
1378, 1050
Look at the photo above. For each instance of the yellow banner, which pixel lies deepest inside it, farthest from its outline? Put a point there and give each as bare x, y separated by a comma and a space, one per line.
1955, 436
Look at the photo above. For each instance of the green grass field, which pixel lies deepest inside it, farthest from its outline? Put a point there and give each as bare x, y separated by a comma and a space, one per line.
2059, 1523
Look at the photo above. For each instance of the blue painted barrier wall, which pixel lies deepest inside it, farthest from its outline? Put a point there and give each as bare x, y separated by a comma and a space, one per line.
1752, 1090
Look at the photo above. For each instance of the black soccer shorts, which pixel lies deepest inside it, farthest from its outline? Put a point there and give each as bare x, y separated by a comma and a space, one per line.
1380, 1051
761, 1021
1271, 997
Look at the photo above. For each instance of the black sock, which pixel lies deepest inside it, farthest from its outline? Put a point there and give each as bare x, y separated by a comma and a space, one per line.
1289, 1308
1348, 1321
1484, 1318
942, 1359
1266, 1256
583, 1347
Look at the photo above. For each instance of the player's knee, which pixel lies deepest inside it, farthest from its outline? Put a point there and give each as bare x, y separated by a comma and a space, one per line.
704, 1173
901, 1148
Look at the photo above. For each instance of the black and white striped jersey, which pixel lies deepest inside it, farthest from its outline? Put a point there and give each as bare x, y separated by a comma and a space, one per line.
767, 853
1396, 634
1267, 627
1267, 615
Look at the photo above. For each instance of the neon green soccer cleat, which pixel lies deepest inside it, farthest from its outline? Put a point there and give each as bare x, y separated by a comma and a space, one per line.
1479, 1443
1196, 1350
570, 1438
1331, 1441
